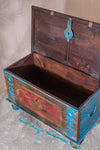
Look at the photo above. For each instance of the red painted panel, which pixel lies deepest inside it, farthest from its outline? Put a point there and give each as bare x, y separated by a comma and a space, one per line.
39, 105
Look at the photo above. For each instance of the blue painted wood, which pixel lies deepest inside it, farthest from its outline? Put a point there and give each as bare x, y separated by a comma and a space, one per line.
10, 85
75, 145
15, 107
70, 124
68, 32
90, 113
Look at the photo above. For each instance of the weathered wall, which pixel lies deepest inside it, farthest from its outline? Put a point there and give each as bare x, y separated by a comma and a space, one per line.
15, 24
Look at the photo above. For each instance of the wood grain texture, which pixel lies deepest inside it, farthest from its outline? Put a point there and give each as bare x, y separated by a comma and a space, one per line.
67, 73
50, 41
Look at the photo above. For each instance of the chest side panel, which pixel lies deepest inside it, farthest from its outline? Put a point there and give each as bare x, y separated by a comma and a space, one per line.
89, 114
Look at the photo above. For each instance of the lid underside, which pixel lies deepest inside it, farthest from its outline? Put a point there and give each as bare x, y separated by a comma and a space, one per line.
48, 40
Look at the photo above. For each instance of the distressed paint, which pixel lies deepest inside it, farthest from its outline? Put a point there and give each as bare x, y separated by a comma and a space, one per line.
90, 114
72, 143
15, 107
37, 143
68, 32
28, 123
89, 101
57, 137
25, 121
69, 120
39, 105
10, 85
39, 130
76, 110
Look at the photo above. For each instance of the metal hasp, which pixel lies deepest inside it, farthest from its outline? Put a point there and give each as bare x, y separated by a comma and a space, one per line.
68, 32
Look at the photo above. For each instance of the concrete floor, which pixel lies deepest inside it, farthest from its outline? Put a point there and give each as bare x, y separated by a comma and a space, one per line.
21, 131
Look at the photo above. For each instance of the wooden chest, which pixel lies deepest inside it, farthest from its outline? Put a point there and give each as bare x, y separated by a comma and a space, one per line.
58, 82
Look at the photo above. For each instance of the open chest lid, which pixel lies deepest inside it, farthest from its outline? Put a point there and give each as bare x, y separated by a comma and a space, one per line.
82, 52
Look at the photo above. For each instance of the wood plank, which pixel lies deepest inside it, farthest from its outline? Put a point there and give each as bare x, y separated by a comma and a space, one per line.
50, 52
49, 35
83, 64
72, 75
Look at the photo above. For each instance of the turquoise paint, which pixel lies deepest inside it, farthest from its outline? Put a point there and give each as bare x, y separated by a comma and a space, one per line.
38, 130
41, 91
15, 107
57, 137
91, 113
37, 143
86, 124
78, 141
79, 147
88, 112
68, 32
87, 140
70, 114
89, 101
88, 129
25, 121
69, 120
72, 143
11, 90
69, 137
38, 123
93, 110
17, 78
